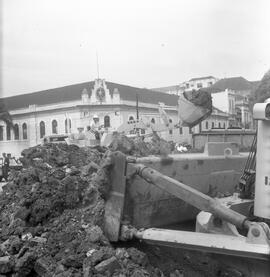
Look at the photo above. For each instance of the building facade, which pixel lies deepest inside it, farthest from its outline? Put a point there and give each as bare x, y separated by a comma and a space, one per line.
231, 95
62, 110
192, 84
217, 120
198, 83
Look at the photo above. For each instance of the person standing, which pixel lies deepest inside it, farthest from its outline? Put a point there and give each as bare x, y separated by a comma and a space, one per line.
95, 127
5, 166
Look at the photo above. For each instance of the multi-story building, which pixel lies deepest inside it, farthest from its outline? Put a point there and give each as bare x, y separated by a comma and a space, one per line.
244, 116
169, 89
198, 83
231, 95
225, 102
194, 83
62, 110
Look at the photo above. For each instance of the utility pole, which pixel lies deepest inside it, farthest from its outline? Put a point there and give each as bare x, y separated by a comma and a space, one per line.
137, 105
97, 65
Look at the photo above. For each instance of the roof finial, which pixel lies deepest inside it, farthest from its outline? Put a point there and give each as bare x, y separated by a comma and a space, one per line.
97, 65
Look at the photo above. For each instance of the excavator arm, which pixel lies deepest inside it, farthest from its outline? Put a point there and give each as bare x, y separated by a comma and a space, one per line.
193, 107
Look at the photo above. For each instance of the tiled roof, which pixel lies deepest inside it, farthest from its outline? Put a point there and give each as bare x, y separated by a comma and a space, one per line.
201, 78
73, 92
234, 83
144, 95
169, 88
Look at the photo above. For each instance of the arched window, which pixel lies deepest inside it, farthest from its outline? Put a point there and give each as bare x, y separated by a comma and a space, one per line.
16, 131
42, 129
107, 122
67, 125
1, 133
219, 125
206, 125
180, 130
24, 130
213, 124
54, 126
170, 131
224, 125
8, 132
153, 121
131, 118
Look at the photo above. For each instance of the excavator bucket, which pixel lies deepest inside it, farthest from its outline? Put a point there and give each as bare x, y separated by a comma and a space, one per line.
193, 107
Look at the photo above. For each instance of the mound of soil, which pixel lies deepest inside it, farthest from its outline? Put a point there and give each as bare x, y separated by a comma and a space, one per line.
51, 217
137, 146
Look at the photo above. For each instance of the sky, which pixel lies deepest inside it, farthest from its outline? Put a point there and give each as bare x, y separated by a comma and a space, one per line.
142, 43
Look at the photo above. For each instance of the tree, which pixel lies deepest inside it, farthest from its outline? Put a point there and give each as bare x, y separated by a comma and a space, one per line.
263, 90
4, 114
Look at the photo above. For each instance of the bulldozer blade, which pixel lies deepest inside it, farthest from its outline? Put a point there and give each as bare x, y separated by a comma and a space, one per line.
115, 204
211, 243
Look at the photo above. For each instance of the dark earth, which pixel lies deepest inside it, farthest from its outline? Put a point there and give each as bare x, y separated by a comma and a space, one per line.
51, 218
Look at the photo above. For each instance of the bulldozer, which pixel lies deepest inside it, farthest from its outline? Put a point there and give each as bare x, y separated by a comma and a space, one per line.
231, 228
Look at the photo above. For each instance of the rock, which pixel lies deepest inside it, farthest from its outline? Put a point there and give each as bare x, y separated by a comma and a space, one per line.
25, 264
121, 143
15, 244
121, 253
89, 169
87, 268
27, 236
137, 256
109, 265
177, 273
4, 245
59, 268
6, 264
58, 174
101, 254
72, 261
90, 252
38, 240
140, 272
43, 266
22, 213
95, 233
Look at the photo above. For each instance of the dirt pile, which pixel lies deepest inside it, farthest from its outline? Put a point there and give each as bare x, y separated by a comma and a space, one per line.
51, 218
137, 146
52, 215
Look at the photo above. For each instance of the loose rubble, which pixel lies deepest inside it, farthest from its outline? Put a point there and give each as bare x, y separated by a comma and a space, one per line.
51, 218
138, 146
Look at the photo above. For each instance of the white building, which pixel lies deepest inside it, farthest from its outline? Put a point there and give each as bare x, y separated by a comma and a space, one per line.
198, 83
169, 89
192, 84
230, 95
225, 101
61, 110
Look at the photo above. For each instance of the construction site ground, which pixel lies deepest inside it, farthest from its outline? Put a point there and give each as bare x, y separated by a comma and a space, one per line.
51, 218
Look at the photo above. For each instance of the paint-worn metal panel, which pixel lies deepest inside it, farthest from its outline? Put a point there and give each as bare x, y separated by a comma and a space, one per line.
147, 205
116, 200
